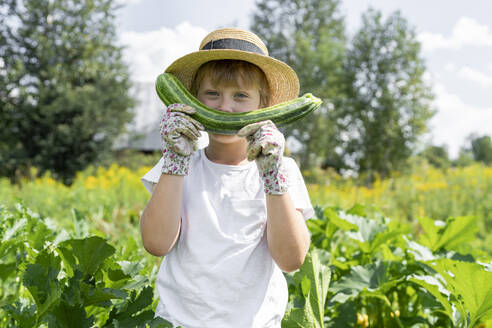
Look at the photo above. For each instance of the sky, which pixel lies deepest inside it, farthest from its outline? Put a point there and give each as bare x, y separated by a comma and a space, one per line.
456, 38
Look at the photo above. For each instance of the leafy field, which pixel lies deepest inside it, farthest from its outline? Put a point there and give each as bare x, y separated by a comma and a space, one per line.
426, 192
416, 254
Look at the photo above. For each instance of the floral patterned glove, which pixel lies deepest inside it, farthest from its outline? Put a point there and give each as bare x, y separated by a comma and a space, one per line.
266, 146
179, 134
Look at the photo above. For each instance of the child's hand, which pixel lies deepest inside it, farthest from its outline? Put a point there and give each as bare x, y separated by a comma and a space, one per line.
266, 146
179, 134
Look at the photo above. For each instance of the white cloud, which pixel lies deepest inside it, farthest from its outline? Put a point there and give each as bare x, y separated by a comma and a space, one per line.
456, 120
149, 53
450, 67
476, 76
466, 32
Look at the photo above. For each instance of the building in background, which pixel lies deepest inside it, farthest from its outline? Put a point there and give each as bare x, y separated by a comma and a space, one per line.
143, 132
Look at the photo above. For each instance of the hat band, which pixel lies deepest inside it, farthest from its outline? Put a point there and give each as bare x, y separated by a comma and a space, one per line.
235, 44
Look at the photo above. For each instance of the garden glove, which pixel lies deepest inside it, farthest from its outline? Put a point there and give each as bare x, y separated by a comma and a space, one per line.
179, 134
266, 146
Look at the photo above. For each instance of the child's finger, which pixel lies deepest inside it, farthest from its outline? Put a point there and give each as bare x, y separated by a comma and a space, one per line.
195, 123
254, 149
186, 118
188, 129
251, 129
181, 123
187, 132
181, 108
179, 145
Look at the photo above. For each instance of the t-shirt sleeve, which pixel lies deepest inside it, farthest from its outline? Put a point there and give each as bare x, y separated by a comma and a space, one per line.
297, 189
152, 177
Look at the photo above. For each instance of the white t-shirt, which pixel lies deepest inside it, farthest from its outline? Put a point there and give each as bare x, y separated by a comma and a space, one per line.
220, 272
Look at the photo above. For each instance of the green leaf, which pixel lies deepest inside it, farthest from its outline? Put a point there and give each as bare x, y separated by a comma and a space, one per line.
9, 246
419, 252
72, 293
80, 224
374, 278
333, 217
120, 272
97, 296
160, 323
6, 270
382, 238
448, 235
131, 268
436, 288
39, 235
89, 253
137, 282
367, 229
370, 233
41, 281
358, 210
472, 286
140, 320
68, 259
143, 300
299, 318
128, 314
70, 316
313, 279
116, 274
14, 230
347, 317
22, 313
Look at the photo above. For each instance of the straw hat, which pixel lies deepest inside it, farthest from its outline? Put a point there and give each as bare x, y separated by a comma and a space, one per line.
233, 43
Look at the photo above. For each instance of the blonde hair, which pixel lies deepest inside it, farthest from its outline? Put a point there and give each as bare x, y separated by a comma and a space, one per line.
229, 72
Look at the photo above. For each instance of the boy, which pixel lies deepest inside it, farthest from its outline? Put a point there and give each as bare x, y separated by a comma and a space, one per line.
231, 217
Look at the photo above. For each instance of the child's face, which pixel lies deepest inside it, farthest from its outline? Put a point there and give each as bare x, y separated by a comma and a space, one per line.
229, 98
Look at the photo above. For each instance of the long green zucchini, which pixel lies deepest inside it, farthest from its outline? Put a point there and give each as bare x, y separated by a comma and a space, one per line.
172, 91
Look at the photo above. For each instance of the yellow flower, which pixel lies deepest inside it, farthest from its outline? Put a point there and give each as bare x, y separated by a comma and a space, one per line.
90, 182
362, 320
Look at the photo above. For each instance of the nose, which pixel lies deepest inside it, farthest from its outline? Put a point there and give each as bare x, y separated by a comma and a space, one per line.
226, 105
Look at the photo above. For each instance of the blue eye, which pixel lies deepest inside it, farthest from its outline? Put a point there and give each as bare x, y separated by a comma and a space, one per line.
241, 95
212, 93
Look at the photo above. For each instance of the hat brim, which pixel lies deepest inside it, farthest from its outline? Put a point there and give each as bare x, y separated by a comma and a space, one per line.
282, 79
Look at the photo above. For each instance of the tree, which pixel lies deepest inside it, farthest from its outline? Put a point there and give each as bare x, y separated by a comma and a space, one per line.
437, 156
308, 35
388, 103
63, 85
465, 158
481, 148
